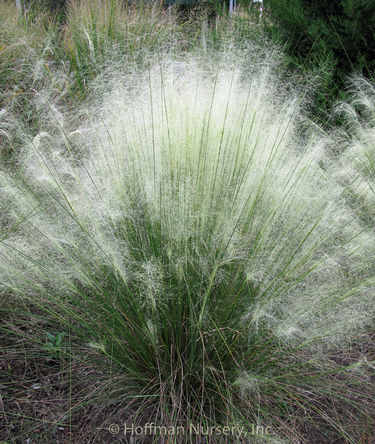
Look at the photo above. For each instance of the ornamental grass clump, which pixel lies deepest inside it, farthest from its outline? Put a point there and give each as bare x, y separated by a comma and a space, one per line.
23, 38
358, 158
98, 34
189, 239
27, 66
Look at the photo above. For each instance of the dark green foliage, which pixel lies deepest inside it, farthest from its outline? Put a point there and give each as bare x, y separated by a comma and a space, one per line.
54, 345
336, 34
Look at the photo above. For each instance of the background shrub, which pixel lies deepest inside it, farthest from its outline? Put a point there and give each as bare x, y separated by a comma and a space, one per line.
332, 33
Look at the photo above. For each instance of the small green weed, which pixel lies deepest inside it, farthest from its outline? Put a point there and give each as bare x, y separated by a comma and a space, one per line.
54, 346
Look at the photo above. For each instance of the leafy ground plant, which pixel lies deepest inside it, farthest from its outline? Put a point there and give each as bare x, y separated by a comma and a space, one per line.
190, 240
54, 345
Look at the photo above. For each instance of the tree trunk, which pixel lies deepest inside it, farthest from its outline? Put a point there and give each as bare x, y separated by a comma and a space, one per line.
230, 7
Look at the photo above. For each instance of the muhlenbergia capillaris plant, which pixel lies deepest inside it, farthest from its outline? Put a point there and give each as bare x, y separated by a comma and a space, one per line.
358, 160
190, 241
